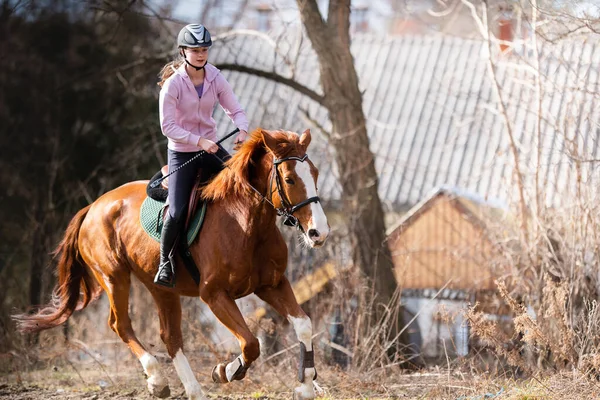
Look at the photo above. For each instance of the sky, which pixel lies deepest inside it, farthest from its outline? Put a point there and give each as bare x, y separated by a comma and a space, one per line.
285, 11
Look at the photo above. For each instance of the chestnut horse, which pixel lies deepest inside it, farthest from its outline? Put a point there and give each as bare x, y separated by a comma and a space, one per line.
239, 251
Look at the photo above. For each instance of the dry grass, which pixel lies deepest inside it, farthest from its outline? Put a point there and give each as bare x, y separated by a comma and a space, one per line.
69, 381
551, 293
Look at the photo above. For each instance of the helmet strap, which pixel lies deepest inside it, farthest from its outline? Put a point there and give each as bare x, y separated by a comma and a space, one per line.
190, 64
193, 66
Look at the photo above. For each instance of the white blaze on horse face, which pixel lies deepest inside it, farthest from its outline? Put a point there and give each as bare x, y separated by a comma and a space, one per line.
186, 375
318, 220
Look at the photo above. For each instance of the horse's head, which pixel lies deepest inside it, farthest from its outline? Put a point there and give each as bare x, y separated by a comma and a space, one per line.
293, 184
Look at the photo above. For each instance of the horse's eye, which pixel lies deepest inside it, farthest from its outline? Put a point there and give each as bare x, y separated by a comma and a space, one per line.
289, 181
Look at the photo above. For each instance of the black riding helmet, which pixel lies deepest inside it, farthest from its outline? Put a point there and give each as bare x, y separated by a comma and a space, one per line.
193, 35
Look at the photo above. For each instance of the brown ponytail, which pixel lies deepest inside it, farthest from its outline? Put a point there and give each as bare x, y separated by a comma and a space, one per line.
168, 70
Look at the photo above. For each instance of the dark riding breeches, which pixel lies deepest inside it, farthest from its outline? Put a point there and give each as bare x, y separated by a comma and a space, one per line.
181, 182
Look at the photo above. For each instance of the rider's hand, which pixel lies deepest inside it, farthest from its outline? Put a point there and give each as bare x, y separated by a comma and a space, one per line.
239, 139
208, 145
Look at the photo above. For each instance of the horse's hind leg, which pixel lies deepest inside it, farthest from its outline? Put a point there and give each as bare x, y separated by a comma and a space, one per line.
169, 312
225, 309
117, 288
282, 299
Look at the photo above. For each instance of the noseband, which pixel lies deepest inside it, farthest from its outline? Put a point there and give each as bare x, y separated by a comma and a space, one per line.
288, 209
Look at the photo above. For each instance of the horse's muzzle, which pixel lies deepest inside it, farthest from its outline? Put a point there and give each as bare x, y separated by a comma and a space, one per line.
317, 239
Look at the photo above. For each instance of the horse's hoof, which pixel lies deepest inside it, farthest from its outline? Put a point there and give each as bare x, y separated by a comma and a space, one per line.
158, 387
218, 373
197, 394
300, 393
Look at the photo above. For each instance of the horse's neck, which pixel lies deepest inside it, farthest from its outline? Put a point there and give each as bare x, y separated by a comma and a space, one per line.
261, 177
261, 181
254, 210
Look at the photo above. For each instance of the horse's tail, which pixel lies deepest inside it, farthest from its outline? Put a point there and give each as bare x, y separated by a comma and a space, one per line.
74, 281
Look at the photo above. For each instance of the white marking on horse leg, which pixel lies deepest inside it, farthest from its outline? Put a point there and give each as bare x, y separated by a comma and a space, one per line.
303, 328
186, 375
156, 381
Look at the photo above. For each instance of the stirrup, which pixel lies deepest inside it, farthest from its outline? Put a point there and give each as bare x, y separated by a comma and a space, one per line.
161, 280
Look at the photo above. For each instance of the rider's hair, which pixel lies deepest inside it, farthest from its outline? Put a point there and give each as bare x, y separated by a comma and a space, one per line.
168, 70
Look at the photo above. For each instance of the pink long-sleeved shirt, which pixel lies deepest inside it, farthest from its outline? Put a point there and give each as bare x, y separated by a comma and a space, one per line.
185, 118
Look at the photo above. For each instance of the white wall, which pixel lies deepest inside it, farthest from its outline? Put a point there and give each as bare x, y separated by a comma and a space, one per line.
435, 333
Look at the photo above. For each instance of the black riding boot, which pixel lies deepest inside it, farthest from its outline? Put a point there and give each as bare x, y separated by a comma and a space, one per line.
166, 269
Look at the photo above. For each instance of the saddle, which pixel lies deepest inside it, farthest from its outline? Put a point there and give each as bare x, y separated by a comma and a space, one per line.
160, 193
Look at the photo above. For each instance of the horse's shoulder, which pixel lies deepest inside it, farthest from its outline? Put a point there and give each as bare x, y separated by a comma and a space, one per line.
276, 249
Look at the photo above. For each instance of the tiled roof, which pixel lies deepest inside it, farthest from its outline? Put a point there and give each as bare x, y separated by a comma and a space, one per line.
432, 113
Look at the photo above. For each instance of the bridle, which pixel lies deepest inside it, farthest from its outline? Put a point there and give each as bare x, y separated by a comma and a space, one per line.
288, 209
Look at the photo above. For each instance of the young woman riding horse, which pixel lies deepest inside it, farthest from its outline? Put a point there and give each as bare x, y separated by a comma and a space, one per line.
188, 95
239, 251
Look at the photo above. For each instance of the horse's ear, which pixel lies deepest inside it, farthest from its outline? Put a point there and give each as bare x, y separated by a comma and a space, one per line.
305, 139
269, 140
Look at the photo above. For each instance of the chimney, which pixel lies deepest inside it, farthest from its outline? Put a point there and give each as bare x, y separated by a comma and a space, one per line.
505, 27
263, 20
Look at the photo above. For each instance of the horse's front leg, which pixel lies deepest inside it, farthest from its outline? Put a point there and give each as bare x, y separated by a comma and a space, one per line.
282, 299
227, 311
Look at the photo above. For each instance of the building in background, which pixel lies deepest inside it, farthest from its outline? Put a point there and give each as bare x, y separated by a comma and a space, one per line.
445, 258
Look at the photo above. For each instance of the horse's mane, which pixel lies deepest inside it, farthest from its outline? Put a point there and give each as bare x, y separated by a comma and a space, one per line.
239, 171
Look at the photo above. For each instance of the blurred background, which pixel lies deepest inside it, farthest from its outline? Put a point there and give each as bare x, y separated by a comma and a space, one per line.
459, 157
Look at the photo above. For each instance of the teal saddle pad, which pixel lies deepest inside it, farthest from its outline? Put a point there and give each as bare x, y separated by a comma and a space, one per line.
151, 218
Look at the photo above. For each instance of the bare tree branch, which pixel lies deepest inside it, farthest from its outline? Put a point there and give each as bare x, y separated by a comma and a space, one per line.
538, 100
276, 78
482, 23
238, 15
208, 5
316, 123
583, 160
266, 38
